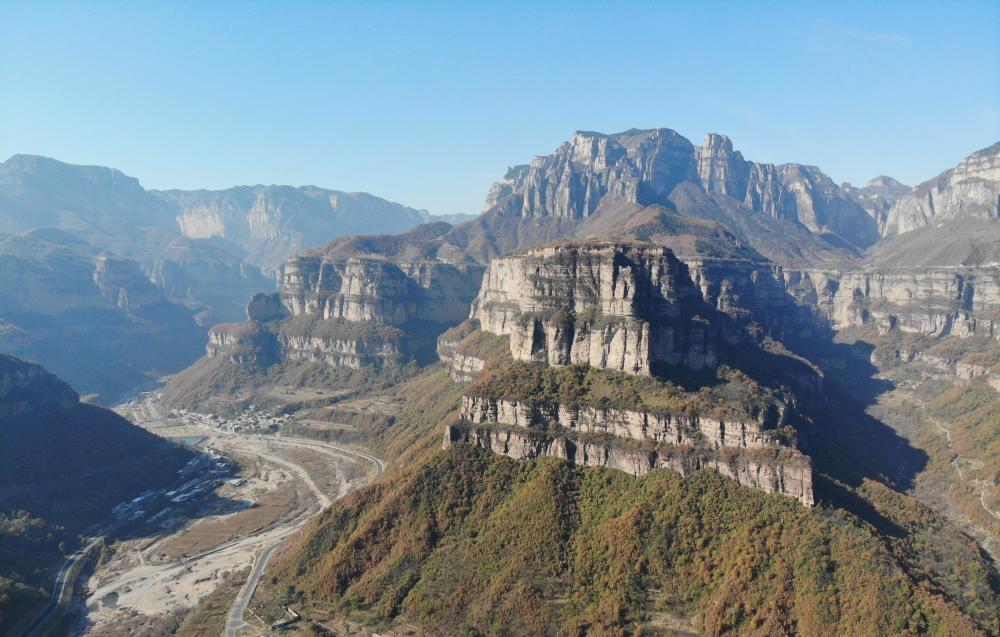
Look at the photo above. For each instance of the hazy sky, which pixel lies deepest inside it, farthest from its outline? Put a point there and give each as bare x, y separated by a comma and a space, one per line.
428, 103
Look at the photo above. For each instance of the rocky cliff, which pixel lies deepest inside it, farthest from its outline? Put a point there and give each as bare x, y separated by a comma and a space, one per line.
640, 425
630, 308
877, 197
361, 301
608, 305
644, 167
970, 190
934, 301
373, 290
782, 471
93, 318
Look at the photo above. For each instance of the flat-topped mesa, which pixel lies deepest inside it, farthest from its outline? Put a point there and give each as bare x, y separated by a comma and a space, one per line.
380, 291
613, 306
245, 344
779, 470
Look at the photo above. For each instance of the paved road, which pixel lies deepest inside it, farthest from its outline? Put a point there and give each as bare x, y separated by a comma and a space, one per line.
62, 590
234, 621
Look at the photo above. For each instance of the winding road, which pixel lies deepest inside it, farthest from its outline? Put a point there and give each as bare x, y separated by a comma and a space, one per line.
262, 543
234, 621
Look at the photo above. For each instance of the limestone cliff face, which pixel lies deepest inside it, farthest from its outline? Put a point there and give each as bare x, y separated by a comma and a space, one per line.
670, 429
787, 191
931, 301
245, 344
123, 284
376, 290
877, 197
352, 352
612, 306
786, 472
971, 189
462, 367
594, 171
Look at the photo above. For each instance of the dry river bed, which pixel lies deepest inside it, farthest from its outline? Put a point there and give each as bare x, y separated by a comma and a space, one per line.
282, 484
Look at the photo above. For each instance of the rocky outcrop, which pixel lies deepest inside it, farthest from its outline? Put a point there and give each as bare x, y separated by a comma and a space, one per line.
462, 367
774, 471
378, 291
245, 344
971, 189
354, 353
123, 285
612, 306
265, 308
595, 171
877, 197
931, 301
658, 427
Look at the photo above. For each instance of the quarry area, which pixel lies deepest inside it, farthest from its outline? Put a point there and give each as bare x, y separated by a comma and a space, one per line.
231, 507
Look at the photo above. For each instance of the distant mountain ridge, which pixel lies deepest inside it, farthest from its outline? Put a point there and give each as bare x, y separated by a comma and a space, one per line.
274, 222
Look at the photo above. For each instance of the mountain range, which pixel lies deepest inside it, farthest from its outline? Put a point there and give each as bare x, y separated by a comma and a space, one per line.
653, 387
86, 248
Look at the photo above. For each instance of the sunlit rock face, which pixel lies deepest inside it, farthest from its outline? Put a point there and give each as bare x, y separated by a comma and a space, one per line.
594, 171
607, 305
971, 189
934, 301
377, 290
786, 472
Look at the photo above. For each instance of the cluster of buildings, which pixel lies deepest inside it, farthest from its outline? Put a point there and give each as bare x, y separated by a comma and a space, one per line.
201, 475
250, 421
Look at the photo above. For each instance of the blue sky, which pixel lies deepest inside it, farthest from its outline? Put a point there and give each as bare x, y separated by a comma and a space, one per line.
428, 103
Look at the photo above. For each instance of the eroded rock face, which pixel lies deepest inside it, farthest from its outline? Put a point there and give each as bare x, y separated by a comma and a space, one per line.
378, 291
342, 352
245, 344
265, 308
123, 285
643, 167
462, 367
877, 197
274, 222
611, 306
971, 189
931, 301
671, 429
786, 472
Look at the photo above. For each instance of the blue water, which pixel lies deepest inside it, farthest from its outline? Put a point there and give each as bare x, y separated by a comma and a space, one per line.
191, 441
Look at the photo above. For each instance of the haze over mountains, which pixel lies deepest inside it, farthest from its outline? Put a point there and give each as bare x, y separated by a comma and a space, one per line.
645, 388
87, 251
627, 304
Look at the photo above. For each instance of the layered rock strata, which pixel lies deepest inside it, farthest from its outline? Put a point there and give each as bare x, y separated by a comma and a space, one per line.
594, 170
971, 189
377, 290
658, 427
610, 306
462, 366
956, 301
785, 472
